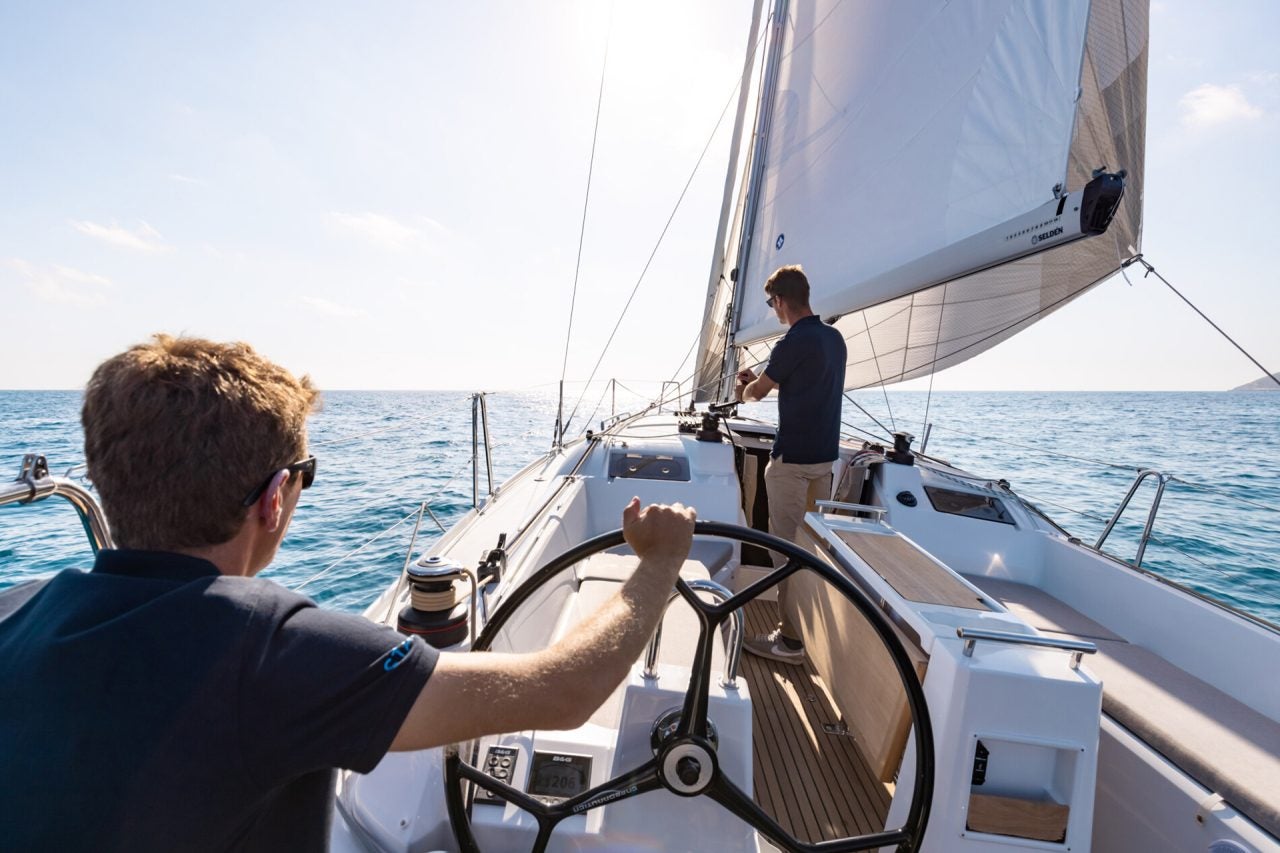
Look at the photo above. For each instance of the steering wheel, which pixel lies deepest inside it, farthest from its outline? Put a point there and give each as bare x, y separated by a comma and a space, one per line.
686, 762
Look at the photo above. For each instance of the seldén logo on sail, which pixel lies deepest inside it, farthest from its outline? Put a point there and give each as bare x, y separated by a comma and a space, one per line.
1045, 235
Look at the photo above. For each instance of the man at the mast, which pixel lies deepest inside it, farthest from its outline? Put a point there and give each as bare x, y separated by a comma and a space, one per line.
807, 368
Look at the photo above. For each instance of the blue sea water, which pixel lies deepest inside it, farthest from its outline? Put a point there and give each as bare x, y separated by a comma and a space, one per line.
381, 454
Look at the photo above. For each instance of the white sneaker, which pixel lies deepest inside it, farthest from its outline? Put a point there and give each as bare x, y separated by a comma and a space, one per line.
776, 647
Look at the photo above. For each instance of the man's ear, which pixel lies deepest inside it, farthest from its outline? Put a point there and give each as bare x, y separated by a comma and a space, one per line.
271, 504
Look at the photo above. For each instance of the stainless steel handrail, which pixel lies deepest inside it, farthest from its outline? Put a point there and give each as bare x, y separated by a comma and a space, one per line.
662, 395
732, 641
1076, 647
878, 511
479, 422
1162, 480
34, 483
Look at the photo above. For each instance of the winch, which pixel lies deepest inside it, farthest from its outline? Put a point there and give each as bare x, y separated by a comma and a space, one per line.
437, 612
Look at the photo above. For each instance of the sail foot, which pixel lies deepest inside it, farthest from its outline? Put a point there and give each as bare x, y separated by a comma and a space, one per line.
1084, 213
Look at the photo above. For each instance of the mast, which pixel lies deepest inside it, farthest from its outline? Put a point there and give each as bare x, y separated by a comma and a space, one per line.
726, 205
763, 122
714, 370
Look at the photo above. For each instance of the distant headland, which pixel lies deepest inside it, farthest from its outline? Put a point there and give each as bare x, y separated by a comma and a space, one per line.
1262, 383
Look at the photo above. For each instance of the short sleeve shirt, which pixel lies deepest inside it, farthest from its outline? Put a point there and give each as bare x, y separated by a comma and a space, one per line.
808, 365
155, 704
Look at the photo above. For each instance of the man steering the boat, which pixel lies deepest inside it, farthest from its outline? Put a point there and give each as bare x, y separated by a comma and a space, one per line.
171, 700
807, 368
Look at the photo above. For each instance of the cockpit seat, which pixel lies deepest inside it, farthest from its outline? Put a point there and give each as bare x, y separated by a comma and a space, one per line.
1223, 744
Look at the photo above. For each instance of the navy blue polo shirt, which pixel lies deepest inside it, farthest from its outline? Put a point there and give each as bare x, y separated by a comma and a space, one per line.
808, 365
155, 704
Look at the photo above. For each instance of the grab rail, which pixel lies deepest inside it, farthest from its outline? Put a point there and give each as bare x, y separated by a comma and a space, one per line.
662, 395
34, 483
480, 421
1076, 647
732, 642
1151, 515
877, 511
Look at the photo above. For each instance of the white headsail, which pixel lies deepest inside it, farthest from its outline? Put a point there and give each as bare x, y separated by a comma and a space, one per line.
932, 166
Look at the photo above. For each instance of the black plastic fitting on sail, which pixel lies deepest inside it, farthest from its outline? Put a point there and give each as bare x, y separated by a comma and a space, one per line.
1100, 200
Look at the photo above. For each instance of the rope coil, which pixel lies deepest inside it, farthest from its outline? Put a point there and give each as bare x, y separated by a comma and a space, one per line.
421, 599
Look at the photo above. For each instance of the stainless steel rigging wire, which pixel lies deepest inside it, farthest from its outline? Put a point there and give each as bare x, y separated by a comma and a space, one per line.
887, 431
658, 243
942, 313
1154, 538
1040, 450
582, 233
1139, 259
876, 359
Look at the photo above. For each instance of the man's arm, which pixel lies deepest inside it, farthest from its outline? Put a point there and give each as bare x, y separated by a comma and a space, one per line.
469, 695
752, 388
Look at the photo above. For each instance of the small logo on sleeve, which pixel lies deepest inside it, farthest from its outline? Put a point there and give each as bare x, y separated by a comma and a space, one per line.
397, 656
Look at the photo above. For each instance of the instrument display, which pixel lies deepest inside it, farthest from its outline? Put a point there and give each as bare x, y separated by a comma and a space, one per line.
558, 776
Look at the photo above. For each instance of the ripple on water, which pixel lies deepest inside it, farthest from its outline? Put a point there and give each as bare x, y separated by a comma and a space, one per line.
383, 453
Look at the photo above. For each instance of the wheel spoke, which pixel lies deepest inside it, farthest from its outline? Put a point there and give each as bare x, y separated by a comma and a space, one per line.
693, 716
693, 726
639, 781
732, 798
766, 583
515, 796
545, 828
688, 594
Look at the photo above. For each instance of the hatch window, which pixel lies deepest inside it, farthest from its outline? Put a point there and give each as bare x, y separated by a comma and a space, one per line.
968, 504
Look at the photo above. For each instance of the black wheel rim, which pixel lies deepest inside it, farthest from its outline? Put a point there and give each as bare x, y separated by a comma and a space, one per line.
692, 727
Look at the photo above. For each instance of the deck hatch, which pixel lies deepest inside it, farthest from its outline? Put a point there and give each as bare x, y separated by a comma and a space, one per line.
648, 466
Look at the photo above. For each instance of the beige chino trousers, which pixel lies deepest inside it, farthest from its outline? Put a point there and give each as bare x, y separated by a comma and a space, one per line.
792, 489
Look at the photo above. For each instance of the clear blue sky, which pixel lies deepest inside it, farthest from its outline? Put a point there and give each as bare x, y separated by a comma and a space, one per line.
389, 195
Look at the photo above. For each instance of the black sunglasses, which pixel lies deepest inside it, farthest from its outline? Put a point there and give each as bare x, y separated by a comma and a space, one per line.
307, 468
770, 301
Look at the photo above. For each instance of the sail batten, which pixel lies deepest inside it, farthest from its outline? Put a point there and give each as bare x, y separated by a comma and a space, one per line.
910, 137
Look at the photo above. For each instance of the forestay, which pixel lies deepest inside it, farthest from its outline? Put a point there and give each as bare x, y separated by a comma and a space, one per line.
916, 163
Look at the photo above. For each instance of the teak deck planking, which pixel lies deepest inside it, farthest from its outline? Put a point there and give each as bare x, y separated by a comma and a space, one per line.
815, 784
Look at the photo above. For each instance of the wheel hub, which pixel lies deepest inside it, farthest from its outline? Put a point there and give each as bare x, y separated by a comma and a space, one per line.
687, 767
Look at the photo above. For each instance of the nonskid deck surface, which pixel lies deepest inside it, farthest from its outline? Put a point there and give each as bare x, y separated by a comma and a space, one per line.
812, 781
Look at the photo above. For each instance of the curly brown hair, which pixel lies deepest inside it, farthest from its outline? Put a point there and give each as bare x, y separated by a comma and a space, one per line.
178, 430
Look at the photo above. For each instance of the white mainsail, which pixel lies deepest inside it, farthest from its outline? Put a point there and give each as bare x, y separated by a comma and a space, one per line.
930, 178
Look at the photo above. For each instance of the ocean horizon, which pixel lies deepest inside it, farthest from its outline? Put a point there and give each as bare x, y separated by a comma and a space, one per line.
1073, 454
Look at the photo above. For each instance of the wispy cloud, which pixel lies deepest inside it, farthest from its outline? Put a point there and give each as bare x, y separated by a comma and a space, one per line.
61, 285
420, 231
144, 238
187, 179
332, 309
1208, 105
